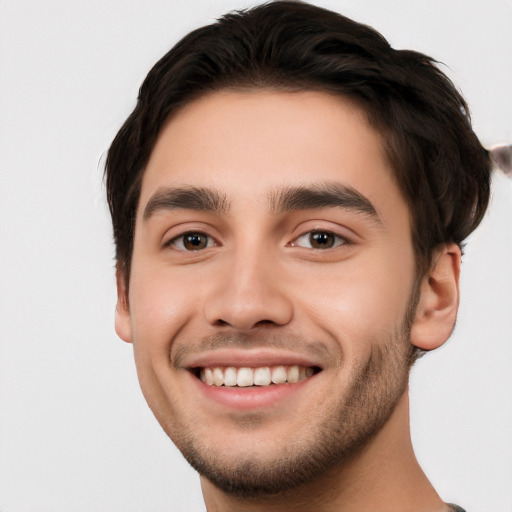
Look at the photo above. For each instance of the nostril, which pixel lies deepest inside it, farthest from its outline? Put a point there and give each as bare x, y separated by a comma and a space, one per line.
260, 323
263, 323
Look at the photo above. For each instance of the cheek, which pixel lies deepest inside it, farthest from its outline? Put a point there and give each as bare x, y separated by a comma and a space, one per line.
161, 303
359, 300
160, 308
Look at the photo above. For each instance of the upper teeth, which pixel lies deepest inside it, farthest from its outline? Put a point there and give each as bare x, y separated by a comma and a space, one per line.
261, 376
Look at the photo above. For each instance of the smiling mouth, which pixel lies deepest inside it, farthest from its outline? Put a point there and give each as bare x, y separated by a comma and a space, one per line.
243, 377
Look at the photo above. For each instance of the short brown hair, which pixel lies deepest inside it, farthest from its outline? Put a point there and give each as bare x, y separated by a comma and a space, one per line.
439, 163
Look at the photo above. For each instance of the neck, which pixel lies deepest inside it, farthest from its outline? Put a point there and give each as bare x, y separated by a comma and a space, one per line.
383, 473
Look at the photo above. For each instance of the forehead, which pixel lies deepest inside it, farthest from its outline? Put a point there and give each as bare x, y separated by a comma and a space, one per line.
248, 144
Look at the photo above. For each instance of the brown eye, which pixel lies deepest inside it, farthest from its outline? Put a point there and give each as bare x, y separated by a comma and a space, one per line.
319, 240
193, 241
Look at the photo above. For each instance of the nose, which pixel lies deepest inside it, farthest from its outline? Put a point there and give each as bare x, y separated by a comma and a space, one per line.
250, 293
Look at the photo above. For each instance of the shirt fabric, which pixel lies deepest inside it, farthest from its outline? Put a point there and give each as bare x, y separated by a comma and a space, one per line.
455, 508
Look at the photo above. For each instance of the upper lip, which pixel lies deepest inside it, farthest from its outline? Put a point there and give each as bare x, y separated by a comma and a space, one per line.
249, 358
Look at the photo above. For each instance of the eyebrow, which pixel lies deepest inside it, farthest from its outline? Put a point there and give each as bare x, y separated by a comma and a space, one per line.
189, 198
287, 199
323, 195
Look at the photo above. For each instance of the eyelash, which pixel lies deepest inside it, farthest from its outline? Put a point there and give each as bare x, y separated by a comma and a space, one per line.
173, 242
338, 240
179, 242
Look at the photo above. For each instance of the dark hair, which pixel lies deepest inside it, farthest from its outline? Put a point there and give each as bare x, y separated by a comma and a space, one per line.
440, 166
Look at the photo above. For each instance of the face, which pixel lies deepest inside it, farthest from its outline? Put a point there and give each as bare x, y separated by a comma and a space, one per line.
271, 286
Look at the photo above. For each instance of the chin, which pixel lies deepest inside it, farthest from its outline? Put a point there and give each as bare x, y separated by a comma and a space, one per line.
261, 460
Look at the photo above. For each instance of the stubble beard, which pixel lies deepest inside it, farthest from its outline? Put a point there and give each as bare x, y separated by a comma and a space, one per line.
376, 386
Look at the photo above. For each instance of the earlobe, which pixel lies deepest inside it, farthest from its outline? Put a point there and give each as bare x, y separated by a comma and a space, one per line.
438, 302
123, 324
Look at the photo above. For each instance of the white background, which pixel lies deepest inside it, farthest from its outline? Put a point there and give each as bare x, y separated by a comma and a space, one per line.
75, 433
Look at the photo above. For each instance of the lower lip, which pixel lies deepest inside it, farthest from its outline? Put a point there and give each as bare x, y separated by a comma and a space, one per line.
253, 397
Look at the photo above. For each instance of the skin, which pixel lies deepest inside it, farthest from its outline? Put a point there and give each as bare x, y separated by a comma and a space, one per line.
259, 289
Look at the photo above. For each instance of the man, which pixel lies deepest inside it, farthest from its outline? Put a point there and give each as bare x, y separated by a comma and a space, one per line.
290, 198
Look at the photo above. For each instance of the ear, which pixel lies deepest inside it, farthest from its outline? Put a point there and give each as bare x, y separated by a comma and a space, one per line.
122, 322
438, 302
